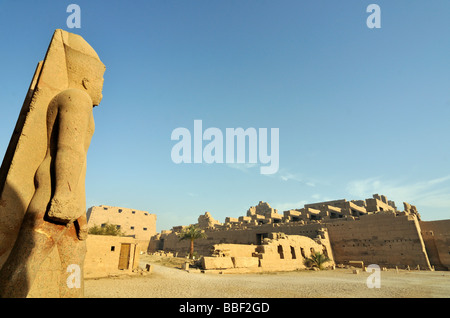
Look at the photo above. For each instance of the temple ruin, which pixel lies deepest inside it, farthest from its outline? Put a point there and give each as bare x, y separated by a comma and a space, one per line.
372, 231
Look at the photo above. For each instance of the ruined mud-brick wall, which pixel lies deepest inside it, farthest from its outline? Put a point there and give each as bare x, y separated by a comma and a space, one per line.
382, 238
170, 242
436, 236
278, 252
281, 246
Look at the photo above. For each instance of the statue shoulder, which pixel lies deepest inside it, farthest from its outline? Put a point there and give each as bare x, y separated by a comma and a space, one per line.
74, 99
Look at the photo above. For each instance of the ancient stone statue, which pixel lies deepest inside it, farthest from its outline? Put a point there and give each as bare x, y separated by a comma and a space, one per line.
42, 177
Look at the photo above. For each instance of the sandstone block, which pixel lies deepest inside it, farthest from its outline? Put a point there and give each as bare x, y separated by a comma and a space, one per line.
217, 262
185, 266
240, 262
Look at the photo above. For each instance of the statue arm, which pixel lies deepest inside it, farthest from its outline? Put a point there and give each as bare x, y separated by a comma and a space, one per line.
74, 114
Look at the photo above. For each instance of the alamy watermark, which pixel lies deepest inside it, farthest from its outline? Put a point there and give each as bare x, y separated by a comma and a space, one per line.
74, 19
374, 279
374, 19
234, 152
74, 279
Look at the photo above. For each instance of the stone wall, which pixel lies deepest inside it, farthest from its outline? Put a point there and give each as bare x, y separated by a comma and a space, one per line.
436, 236
383, 238
104, 254
234, 250
136, 223
279, 252
170, 242
371, 230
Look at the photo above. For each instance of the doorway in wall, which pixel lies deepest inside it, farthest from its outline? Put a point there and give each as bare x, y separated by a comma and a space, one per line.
260, 237
124, 258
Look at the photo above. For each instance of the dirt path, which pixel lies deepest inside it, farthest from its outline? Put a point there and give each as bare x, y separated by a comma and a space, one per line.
166, 282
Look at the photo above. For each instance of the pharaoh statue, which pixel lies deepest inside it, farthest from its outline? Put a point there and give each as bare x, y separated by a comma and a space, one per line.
42, 178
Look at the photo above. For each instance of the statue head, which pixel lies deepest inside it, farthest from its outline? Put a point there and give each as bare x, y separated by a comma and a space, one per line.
84, 68
70, 62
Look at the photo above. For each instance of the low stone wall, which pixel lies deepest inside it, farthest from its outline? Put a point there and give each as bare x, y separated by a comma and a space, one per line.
280, 252
110, 255
217, 262
250, 264
245, 262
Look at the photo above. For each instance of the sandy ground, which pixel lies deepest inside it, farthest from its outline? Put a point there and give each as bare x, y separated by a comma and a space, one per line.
169, 282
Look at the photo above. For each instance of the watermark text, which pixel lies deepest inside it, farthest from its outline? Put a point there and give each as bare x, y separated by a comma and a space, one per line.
236, 150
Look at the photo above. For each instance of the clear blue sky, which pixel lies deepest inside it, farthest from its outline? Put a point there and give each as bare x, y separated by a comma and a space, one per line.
360, 111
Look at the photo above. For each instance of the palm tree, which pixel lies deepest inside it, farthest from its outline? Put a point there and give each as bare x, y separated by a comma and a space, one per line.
192, 232
317, 259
